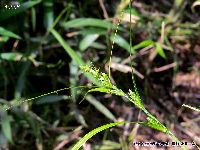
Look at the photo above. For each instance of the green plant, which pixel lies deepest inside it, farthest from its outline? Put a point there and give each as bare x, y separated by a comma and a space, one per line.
133, 96
89, 34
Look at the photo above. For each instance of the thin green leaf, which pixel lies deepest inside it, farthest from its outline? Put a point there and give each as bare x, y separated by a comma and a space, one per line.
21, 80
77, 114
8, 33
97, 45
33, 18
100, 107
48, 13
6, 128
120, 41
160, 50
3, 140
51, 99
89, 135
183, 147
107, 145
73, 79
143, 44
87, 41
11, 56
82, 22
91, 30
132, 11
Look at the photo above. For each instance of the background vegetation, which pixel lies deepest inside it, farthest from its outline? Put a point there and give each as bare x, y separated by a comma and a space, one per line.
43, 43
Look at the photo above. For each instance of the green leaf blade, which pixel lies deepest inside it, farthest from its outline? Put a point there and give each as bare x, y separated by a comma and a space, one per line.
89, 135
51, 99
7, 33
11, 56
120, 41
83, 22
143, 44
160, 50
87, 41
6, 127
100, 107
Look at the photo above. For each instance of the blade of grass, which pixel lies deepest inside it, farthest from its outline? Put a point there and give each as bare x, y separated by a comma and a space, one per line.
87, 41
11, 56
177, 140
120, 41
78, 145
52, 99
160, 50
48, 13
143, 44
77, 114
21, 80
8, 33
82, 22
73, 79
100, 107
6, 127
33, 18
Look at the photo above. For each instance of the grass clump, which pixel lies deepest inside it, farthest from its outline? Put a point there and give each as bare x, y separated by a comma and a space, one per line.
134, 97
